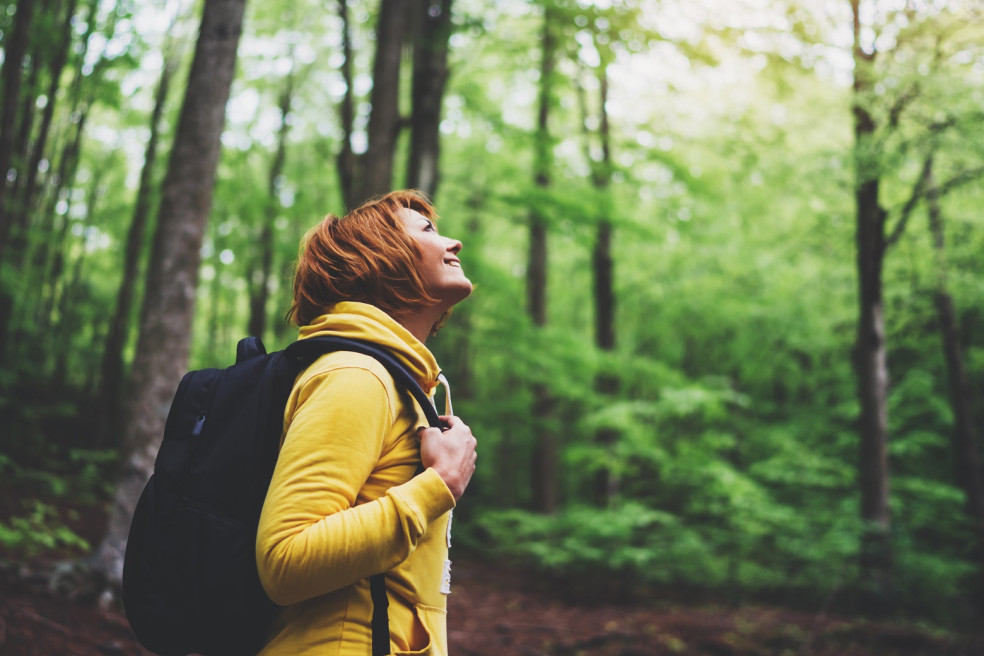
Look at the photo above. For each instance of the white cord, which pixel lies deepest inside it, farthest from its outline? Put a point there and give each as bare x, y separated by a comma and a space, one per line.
448, 410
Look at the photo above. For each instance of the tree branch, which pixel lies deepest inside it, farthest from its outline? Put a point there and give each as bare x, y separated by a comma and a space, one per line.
917, 194
895, 113
960, 179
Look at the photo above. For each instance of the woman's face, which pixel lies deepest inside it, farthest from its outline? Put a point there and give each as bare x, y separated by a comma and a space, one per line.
439, 265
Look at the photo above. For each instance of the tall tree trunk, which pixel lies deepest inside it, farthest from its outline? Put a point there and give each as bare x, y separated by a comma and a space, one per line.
47, 224
347, 164
966, 451
870, 355
58, 339
112, 369
166, 318
55, 249
603, 267
29, 216
260, 291
384, 119
15, 211
15, 47
28, 196
544, 484
430, 74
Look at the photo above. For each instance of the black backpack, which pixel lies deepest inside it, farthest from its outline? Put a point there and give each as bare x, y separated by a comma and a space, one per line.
190, 583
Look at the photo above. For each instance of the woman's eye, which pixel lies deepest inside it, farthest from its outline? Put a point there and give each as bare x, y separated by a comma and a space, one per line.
429, 227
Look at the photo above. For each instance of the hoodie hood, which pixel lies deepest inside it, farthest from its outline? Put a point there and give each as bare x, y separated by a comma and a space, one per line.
368, 323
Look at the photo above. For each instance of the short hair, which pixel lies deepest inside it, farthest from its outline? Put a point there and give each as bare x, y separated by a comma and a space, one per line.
367, 255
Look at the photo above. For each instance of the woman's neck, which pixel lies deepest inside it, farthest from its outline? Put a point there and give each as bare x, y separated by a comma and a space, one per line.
418, 323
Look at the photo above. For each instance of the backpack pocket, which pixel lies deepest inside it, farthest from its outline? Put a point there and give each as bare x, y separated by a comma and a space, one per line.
194, 586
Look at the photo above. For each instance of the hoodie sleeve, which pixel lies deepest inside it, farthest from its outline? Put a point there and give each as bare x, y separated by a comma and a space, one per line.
312, 537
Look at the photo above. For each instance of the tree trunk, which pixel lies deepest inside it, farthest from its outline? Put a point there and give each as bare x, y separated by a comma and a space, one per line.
47, 224
14, 210
55, 257
58, 339
545, 452
430, 74
603, 267
870, 355
346, 160
28, 195
384, 119
15, 47
112, 369
260, 291
166, 318
966, 452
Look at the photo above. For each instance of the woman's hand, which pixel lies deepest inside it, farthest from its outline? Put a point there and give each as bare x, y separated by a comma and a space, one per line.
450, 452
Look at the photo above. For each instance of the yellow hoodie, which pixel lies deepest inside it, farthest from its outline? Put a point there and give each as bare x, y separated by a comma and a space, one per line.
344, 502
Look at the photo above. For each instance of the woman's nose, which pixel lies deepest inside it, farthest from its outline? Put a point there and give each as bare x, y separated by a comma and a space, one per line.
454, 246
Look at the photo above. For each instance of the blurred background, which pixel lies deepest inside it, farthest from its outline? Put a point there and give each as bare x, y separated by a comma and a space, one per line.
727, 337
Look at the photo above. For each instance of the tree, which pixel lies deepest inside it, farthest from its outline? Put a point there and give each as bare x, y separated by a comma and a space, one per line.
112, 369
15, 47
870, 355
28, 194
384, 119
165, 323
365, 175
598, 151
346, 159
544, 471
432, 30
260, 278
966, 449
888, 128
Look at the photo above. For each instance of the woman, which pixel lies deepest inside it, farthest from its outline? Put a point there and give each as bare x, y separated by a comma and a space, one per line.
348, 498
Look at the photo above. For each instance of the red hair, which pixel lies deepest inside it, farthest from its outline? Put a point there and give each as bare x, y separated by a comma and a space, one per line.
367, 255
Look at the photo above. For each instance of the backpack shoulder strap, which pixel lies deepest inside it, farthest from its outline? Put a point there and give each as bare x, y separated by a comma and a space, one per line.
309, 349
249, 347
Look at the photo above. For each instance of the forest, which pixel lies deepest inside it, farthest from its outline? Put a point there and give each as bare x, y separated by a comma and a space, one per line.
726, 343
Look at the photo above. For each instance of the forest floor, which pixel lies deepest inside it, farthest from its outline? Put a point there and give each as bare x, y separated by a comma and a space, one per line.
500, 612
493, 610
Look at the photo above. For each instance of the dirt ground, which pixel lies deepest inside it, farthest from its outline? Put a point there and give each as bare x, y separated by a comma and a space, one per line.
494, 611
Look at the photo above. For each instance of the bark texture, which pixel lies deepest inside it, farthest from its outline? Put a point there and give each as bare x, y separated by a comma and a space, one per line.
28, 195
430, 73
870, 355
348, 178
966, 450
384, 119
15, 47
165, 325
603, 268
545, 498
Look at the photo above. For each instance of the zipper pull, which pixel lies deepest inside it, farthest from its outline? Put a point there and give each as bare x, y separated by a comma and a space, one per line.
197, 428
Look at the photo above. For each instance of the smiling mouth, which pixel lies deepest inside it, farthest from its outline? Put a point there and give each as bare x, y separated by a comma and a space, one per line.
454, 263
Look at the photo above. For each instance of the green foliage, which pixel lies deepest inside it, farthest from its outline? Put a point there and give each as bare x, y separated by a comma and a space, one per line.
638, 548
44, 501
38, 531
733, 407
